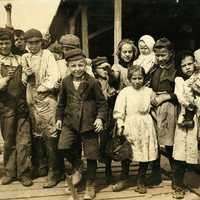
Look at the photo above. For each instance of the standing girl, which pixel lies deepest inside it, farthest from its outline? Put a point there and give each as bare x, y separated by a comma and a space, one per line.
126, 52
185, 141
133, 116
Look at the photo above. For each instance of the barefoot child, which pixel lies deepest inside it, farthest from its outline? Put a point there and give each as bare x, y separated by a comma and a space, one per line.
132, 112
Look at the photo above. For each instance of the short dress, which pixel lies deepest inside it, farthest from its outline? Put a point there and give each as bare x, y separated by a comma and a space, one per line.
185, 140
132, 108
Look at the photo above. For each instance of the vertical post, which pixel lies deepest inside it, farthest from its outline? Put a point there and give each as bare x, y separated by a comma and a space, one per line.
117, 25
84, 28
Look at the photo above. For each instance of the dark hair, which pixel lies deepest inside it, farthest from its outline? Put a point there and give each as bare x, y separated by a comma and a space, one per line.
135, 68
163, 43
180, 56
18, 32
127, 41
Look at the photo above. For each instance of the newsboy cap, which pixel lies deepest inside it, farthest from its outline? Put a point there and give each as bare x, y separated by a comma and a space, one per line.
99, 60
33, 33
74, 54
5, 34
70, 40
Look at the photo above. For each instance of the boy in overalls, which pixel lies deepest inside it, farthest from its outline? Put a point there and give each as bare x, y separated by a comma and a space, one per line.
15, 126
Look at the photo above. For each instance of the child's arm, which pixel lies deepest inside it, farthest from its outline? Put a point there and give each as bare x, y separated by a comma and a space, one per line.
119, 112
8, 8
61, 104
102, 107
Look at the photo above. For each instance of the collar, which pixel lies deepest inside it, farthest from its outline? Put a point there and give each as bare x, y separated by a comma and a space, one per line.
11, 55
39, 53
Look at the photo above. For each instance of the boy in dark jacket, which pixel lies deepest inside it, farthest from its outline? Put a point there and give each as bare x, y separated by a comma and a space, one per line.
81, 112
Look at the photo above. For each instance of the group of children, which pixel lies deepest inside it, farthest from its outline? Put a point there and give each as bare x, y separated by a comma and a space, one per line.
56, 104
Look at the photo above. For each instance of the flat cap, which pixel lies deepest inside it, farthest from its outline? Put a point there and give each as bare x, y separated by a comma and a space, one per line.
70, 40
74, 54
99, 60
33, 33
5, 34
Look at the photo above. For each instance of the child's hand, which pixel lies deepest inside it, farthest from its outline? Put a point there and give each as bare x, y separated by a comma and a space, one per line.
28, 71
57, 85
120, 130
11, 73
8, 7
98, 124
159, 99
59, 125
41, 89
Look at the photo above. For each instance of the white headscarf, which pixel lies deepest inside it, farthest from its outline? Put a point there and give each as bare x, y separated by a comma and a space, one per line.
146, 61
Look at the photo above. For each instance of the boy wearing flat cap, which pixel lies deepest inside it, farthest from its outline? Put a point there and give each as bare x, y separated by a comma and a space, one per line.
81, 111
40, 74
102, 71
14, 117
68, 42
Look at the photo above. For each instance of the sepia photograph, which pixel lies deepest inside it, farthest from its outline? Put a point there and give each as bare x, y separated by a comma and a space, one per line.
99, 99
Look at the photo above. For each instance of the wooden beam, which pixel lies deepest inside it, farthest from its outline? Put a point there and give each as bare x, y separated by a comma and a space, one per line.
99, 32
72, 20
84, 28
117, 26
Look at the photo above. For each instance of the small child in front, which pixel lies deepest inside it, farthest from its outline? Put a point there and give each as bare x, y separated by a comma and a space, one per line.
132, 113
81, 113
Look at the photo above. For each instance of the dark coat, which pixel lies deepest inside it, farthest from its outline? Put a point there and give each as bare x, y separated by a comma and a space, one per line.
80, 108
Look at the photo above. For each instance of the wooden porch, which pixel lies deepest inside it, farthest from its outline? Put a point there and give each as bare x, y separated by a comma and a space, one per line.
16, 191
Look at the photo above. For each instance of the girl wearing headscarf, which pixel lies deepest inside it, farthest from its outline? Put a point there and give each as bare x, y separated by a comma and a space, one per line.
146, 58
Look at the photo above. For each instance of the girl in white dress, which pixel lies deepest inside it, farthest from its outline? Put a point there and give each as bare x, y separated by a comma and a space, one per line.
132, 113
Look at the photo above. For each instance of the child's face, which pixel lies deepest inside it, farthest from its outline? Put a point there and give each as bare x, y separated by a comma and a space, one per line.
187, 66
20, 42
163, 56
127, 52
5, 47
137, 80
34, 44
77, 68
102, 70
144, 50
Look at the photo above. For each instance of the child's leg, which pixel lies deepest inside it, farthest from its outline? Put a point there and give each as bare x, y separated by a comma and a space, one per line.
122, 184
155, 177
91, 152
179, 171
143, 166
8, 128
23, 146
52, 157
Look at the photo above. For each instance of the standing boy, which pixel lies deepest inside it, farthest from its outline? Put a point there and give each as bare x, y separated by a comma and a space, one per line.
40, 74
14, 118
162, 81
81, 111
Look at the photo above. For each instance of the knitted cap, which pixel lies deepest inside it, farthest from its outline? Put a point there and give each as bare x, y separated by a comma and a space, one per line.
70, 40
74, 54
99, 60
5, 34
33, 33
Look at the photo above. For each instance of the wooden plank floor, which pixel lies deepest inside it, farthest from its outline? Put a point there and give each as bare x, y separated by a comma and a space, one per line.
16, 191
